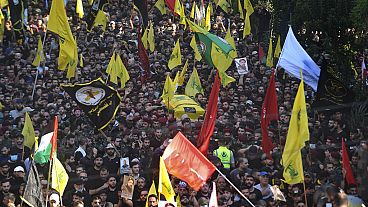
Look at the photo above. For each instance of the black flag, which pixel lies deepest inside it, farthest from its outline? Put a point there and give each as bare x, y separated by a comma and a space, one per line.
33, 190
17, 16
331, 92
99, 101
142, 7
90, 18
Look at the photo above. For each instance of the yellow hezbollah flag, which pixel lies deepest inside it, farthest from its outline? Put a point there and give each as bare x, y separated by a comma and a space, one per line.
192, 12
269, 60
182, 74
100, 19
278, 48
59, 176
193, 45
73, 63
151, 37
168, 91
240, 8
3, 3
79, 9
194, 85
152, 191
175, 58
230, 39
182, 18
122, 72
220, 60
28, 132
81, 64
145, 39
164, 185
176, 81
224, 5
207, 24
40, 56
58, 23
2, 23
226, 79
297, 135
160, 5
248, 7
247, 28
111, 69
177, 7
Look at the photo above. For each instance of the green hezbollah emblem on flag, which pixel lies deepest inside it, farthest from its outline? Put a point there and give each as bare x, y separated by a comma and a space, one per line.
99, 101
291, 170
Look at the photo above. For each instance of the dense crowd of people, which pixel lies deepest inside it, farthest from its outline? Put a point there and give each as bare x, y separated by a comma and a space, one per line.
143, 125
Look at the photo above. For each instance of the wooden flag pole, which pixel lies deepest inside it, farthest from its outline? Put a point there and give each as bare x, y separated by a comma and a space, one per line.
235, 187
48, 182
305, 194
34, 84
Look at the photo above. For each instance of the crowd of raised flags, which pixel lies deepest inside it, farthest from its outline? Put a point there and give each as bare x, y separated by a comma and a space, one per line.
181, 158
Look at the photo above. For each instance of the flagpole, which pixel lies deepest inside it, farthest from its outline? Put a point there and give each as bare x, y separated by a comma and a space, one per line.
224, 176
23, 153
43, 44
305, 194
48, 182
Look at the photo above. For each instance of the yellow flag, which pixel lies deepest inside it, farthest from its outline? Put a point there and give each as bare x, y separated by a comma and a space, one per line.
240, 8
220, 60
247, 27
122, 72
160, 5
182, 74
40, 57
101, 19
79, 9
198, 15
111, 69
248, 7
90, 2
175, 58
3, 3
224, 4
194, 85
151, 37
2, 23
177, 6
1, 106
193, 44
72, 64
192, 12
176, 81
178, 202
207, 24
297, 135
182, 17
164, 185
269, 60
168, 91
278, 48
59, 176
230, 39
81, 64
152, 191
58, 23
145, 39
28, 132
226, 79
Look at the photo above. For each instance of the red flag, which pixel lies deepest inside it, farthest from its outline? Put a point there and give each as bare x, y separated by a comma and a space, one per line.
269, 112
170, 4
54, 138
143, 59
208, 126
346, 164
184, 161
261, 53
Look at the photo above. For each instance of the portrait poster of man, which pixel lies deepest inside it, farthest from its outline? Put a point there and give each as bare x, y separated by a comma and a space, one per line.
166, 204
128, 187
124, 165
242, 65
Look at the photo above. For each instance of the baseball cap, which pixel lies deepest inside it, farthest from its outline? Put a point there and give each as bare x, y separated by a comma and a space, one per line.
19, 169
55, 197
263, 173
109, 146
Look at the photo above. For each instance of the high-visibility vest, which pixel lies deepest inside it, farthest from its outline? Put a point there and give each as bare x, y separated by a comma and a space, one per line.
224, 154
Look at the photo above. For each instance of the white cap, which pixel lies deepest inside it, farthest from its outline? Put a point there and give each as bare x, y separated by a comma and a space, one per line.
55, 197
19, 169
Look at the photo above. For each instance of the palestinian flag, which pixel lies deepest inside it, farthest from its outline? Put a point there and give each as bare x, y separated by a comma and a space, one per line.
47, 146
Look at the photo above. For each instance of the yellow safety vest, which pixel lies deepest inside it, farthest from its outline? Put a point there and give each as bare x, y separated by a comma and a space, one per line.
224, 154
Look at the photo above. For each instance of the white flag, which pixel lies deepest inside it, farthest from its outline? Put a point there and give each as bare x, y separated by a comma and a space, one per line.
294, 58
213, 199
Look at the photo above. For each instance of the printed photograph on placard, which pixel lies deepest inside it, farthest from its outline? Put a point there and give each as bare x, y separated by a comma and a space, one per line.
242, 65
128, 187
124, 165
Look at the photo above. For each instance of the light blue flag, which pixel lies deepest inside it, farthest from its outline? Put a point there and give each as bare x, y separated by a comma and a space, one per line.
293, 58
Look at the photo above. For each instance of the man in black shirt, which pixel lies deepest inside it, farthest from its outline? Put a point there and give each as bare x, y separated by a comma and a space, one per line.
111, 161
112, 190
